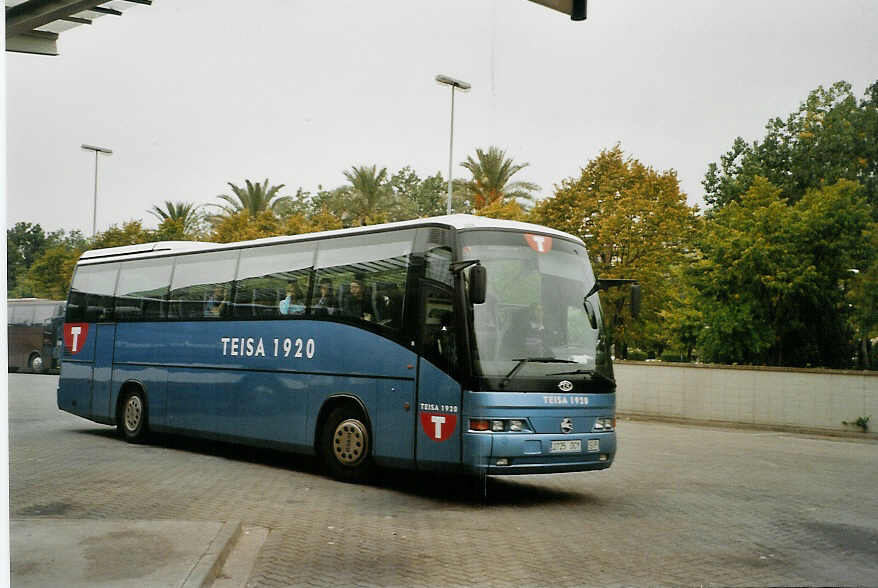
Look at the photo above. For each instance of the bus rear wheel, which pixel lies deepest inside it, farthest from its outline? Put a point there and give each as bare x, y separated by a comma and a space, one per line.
346, 445
133, 417
35, 363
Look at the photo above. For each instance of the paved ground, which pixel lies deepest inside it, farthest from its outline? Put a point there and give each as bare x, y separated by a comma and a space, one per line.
682, 505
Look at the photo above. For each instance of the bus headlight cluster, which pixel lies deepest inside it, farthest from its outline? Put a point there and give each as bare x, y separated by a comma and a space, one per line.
499, 425
604, 424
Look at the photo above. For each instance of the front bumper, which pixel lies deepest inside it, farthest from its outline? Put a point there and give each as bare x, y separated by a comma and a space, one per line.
531, 453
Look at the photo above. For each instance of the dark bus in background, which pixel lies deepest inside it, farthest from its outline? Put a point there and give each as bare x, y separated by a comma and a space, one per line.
34, 333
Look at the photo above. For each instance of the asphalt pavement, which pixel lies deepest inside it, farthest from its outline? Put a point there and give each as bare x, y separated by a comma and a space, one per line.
682, 505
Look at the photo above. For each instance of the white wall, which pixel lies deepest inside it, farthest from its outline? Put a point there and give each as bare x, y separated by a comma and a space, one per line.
776, 397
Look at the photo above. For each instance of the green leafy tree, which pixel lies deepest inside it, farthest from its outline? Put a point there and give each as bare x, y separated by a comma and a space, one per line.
25, 242
680, 320
773, 274
51, 273
243, 226
636, 224
129, 233
492, 173
420, 198
830, 137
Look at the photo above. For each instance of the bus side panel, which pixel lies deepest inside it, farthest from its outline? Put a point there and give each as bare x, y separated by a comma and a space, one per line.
74, 388
194, 395
105, 337
393, 422
271, 406
439, 418
74, 384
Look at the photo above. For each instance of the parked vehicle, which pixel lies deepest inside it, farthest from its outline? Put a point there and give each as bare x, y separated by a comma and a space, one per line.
34, 334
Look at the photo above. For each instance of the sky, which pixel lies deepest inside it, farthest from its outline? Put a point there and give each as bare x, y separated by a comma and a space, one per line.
193, 94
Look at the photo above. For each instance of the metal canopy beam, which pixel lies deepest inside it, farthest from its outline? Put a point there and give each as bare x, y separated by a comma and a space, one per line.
33, 14
103, 10
575, 8
34, 42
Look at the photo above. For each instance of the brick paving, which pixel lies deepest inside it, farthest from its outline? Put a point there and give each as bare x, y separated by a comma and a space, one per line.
682, 505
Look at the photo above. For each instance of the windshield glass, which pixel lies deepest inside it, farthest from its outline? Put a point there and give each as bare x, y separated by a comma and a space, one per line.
534, 308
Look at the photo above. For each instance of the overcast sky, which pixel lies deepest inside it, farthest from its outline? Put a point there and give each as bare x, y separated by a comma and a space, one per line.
191, 94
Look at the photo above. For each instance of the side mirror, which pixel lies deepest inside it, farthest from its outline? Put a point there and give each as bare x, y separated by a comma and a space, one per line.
635, 300
478, 284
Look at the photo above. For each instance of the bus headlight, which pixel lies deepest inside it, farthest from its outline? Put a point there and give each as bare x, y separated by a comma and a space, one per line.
499, 425
604, 424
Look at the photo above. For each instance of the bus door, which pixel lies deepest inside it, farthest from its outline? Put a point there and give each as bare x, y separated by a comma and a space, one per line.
102, 375
439, 393
87, 369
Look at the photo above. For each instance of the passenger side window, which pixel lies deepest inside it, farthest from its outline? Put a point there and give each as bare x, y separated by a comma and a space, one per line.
362, 279
142, 291
273, 281
91, 293
202, 286
439, 332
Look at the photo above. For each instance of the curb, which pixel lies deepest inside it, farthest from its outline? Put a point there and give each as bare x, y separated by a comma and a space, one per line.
212, 560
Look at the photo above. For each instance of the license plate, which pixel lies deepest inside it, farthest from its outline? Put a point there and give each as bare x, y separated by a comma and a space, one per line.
574, 445
594, 445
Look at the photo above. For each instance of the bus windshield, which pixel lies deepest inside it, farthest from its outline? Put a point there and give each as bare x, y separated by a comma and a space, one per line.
534, 322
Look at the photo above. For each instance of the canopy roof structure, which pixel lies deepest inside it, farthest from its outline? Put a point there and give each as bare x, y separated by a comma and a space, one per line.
33, 26
575, 8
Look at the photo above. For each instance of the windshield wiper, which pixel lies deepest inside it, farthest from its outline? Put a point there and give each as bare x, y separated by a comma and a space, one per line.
592, 373
525, 360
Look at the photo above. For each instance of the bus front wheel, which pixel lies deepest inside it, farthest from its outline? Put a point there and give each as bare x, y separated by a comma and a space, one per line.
133, 417
346, 445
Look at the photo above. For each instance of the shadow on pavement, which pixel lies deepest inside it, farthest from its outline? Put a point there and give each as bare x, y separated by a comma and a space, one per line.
445, 487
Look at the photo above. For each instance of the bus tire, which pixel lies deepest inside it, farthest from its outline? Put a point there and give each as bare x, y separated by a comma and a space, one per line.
35, 363
133, 417
346, 445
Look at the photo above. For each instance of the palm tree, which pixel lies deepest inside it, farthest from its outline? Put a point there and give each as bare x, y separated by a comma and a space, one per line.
370, 195
184, 214
255, 198
491, 172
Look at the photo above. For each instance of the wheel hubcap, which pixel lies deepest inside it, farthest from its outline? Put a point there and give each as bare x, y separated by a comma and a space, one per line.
37, 363
133, 413
350, 442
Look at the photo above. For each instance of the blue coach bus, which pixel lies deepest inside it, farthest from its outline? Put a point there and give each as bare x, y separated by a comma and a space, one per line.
454, 343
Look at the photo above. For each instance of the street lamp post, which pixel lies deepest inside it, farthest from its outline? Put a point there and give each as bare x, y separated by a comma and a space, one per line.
94, 215
464, 86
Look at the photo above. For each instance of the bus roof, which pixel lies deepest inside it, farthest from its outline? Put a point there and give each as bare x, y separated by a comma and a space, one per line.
453, 221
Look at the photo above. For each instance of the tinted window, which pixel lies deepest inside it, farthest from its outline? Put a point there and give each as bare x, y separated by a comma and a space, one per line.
43, 312
273, 281
91, 293
142, 292
435, 245
21, 314
364, 278
202, 285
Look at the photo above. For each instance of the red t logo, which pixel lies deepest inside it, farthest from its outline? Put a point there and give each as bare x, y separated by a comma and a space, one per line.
539, 243
437, 426
75, 336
